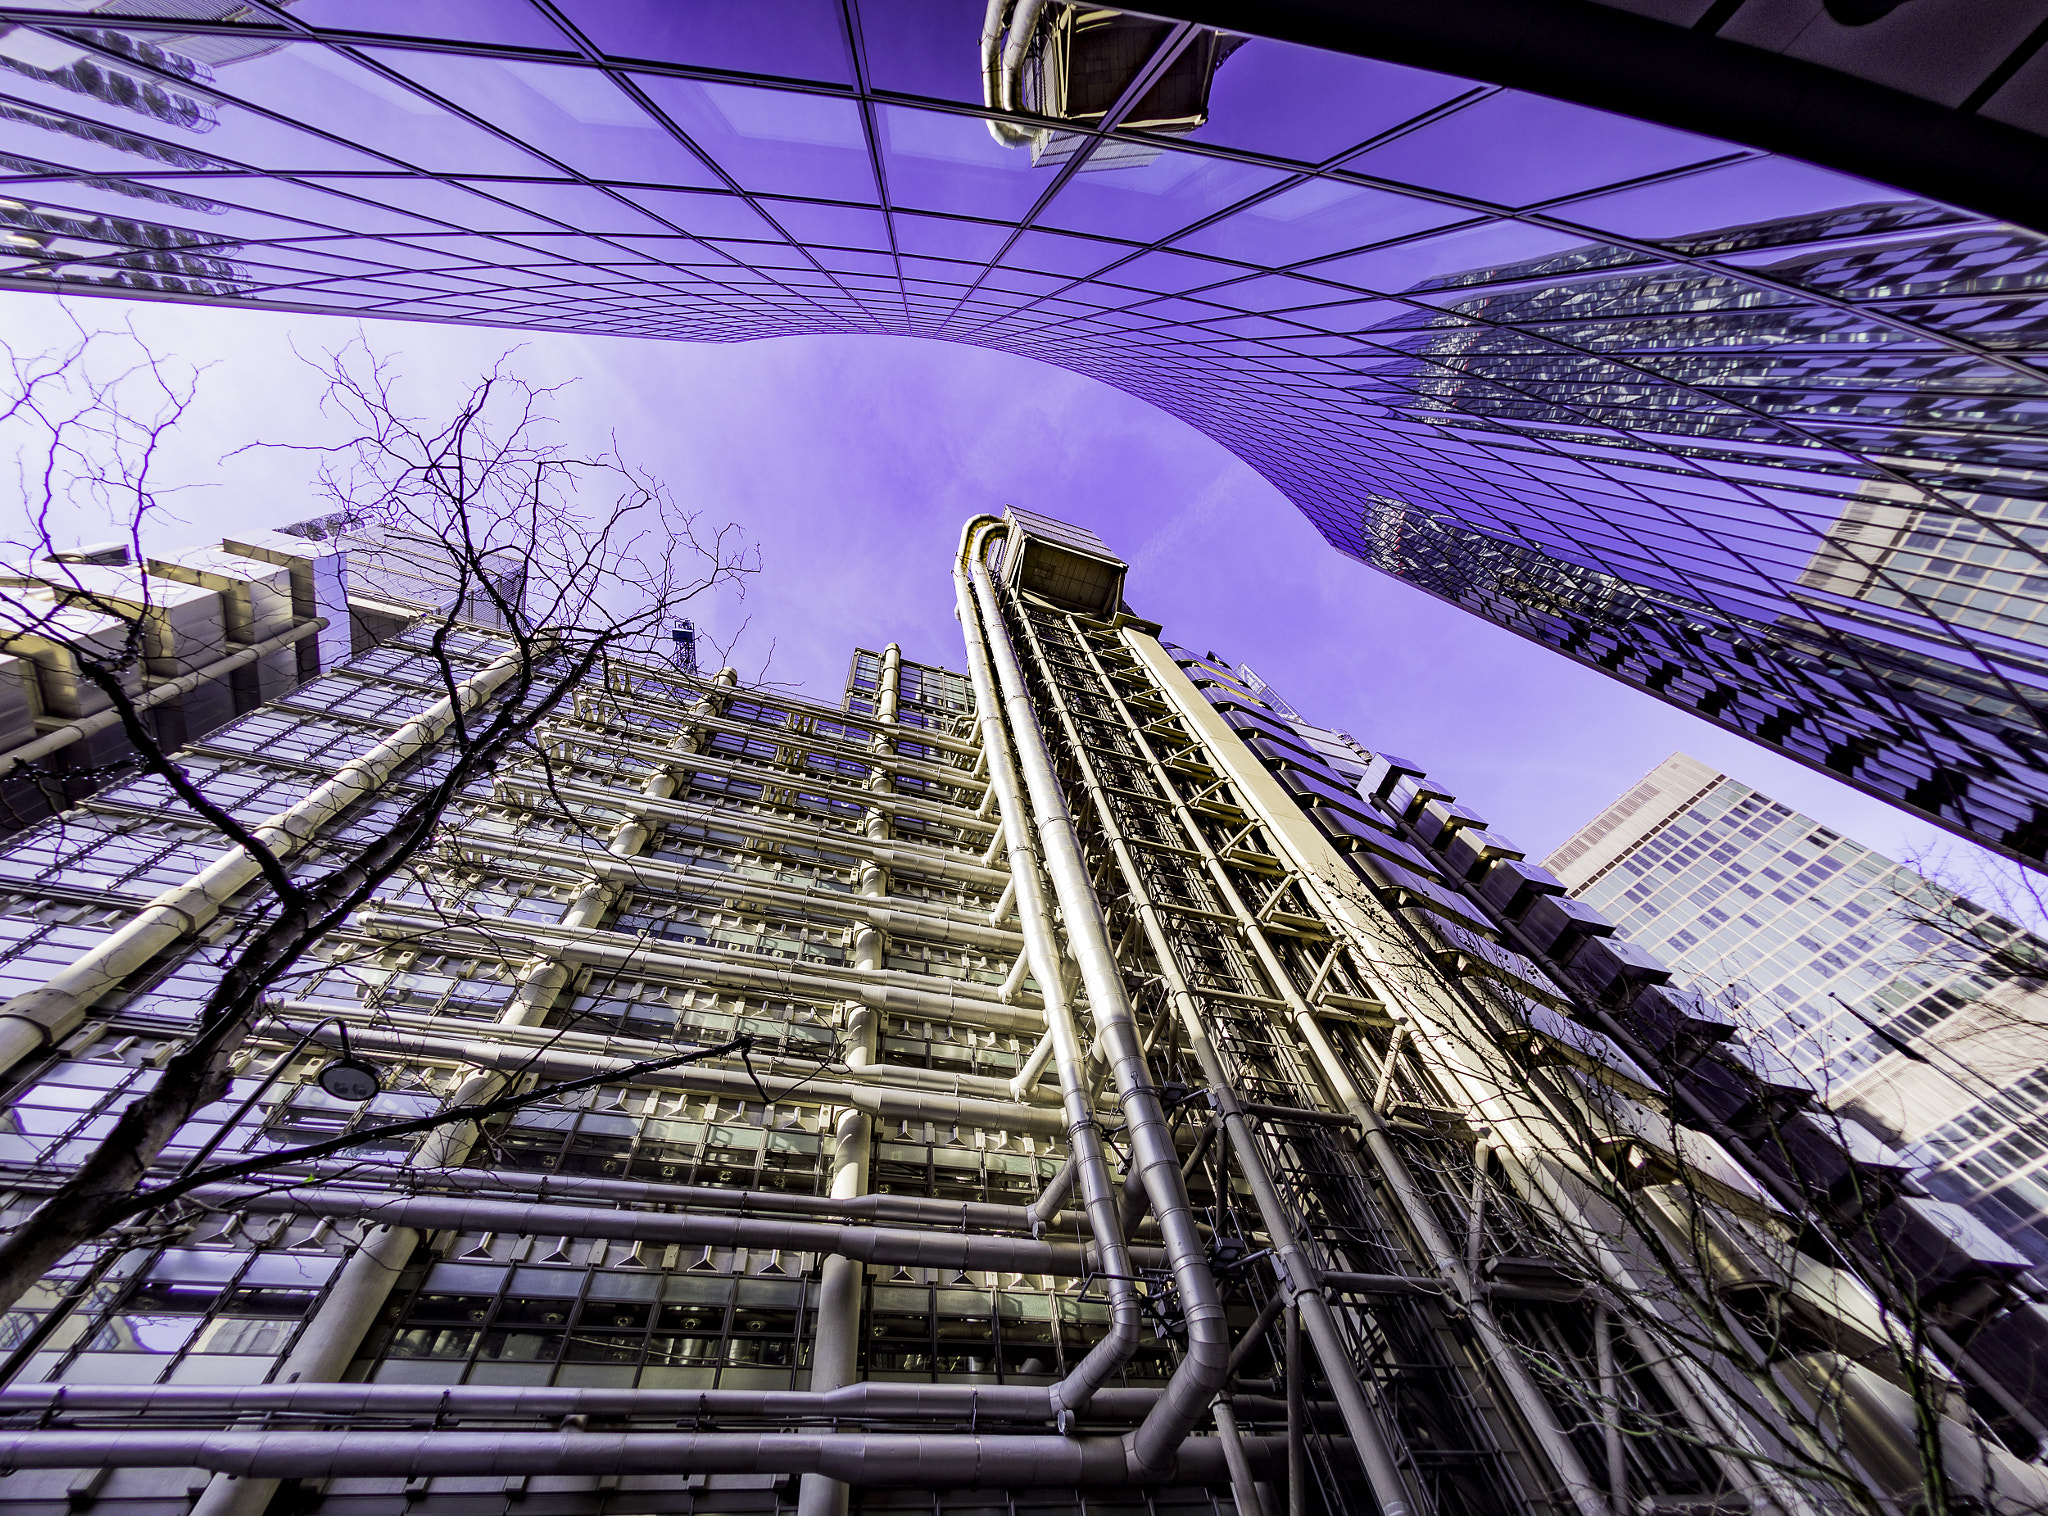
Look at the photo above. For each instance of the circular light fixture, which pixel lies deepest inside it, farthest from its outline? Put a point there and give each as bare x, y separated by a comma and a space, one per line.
350, 1078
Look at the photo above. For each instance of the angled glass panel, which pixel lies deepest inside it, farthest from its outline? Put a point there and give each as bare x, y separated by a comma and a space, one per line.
778, 142
1316, 218
1308, 106
788, 39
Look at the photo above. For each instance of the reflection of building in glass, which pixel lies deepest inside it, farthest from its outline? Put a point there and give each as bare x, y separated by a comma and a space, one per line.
134, 76
1051, 1030
1977, 562
1315, 259
1697, 353
1905, 1005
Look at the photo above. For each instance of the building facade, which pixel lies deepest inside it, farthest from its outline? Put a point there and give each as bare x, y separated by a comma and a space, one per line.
1074, 1083
1906, 1004
1629, 391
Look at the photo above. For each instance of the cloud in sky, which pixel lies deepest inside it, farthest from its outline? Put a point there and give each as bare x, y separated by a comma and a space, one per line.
854, 460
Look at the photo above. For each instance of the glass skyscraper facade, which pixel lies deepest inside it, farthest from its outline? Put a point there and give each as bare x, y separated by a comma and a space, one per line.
1753, 436
1906, 1005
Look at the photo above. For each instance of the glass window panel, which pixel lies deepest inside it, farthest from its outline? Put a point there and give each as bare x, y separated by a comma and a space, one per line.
1466, 254
944, 237
940, 162
830, 225
1059, 255
1269, 292
780, 142
914, 47
577, 116
702, 214
1309, 105
1517, 149
1736, 194
470, 20
1144, 202
354, 205
792, 39
323, 89
1318, 218
579, 205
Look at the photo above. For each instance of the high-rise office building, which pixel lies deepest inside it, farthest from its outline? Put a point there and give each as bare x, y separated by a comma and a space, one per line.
1907, 1006
1074, 1082
1627, 390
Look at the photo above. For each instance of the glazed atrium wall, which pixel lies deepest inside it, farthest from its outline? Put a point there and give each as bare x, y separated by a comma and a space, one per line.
1758, 437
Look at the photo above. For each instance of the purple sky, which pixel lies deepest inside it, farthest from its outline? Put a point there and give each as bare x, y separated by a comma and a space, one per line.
853, 462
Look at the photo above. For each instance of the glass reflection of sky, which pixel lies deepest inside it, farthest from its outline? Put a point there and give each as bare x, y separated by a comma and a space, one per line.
1514, 350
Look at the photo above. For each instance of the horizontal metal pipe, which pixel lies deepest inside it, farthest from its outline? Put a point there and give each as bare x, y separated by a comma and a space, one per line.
893, 1105
871, 1460
895, 853
935, 924
869, 1244
889, 990
866, 1401
959, 816
803, 710
40, 1016
905, 1210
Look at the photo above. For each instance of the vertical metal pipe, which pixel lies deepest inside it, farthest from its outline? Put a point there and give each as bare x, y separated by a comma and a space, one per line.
1090, 1166
889, 693
332, 1338
1201, 1371
835, 1322
1243, 1488
1610, 1411
1475, 1221
1297, 1420
1501, 1353
1298, 1271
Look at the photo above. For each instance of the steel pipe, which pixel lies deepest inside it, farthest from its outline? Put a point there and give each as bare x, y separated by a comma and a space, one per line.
1297, 1271
896, 1105
902, 1210
157, 694
1088, 1161
866, 1459
865, 1401
916, 857
869, 1244
1202, 1370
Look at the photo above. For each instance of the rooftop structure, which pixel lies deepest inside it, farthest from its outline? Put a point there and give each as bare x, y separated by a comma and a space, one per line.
1071, 1081
1757, 437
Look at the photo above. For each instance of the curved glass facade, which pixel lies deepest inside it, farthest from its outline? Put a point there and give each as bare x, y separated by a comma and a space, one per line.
1757, 437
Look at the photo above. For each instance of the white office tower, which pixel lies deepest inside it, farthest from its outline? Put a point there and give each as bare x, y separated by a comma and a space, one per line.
1907, 1006
1065, 1085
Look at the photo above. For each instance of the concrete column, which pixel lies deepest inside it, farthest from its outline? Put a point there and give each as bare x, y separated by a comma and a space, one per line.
835, 1339
835, 1336
331, 1339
